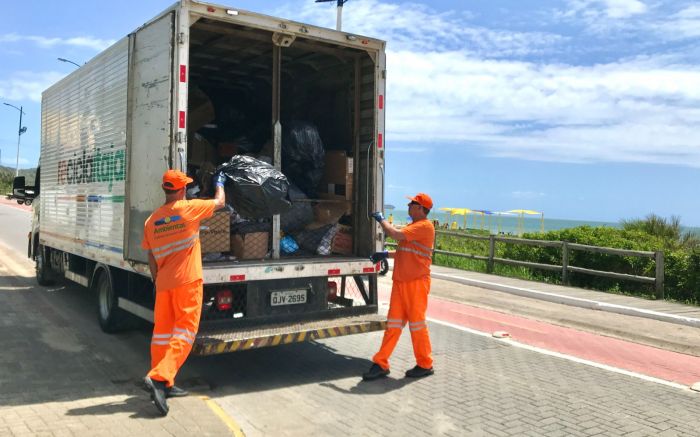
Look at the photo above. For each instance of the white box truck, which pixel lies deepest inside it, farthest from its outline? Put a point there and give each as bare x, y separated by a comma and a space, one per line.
111, 128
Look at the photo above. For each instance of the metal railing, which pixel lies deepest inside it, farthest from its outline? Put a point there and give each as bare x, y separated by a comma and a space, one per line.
565, 268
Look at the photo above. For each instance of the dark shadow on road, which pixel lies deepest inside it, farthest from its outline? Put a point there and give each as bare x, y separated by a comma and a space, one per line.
140, 406
276, 367
377, 387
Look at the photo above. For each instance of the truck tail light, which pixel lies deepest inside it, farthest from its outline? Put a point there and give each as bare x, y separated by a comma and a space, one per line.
224, 300
332, 290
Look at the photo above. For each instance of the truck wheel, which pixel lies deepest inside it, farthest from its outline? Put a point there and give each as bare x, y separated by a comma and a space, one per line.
111, 317
28, 202
44, 274
384, 267
21, 202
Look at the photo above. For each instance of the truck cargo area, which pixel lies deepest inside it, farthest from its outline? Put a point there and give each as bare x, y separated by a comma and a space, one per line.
326, 94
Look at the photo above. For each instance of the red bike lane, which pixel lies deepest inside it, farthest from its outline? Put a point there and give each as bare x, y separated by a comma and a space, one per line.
627, 356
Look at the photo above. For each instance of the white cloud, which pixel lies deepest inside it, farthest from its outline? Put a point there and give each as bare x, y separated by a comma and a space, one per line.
527, 195
46, 42
623, 8
27, 85
638, 110
417, 27
596, 9
683, 24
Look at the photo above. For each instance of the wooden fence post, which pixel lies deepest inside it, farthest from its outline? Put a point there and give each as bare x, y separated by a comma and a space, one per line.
659, 258
432, 259
492, 253
565, 263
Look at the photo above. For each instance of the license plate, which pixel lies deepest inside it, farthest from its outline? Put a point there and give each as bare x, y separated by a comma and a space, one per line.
288, 297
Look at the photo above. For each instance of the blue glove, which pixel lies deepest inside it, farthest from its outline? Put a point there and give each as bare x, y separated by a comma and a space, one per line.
379, 256
378, 216
219, 179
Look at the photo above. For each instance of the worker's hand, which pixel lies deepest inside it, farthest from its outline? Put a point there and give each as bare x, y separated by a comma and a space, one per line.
379, 256
378, 216
219, 179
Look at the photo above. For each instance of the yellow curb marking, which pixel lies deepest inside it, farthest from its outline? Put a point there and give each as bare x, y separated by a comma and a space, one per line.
228, 420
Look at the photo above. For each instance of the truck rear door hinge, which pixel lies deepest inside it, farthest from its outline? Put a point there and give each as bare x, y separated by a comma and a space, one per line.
181, 138
181, 38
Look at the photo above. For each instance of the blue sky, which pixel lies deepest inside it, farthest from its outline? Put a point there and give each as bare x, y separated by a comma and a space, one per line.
582, 109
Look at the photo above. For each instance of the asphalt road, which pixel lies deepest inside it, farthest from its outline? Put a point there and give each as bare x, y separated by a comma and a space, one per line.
15, 224
59, 372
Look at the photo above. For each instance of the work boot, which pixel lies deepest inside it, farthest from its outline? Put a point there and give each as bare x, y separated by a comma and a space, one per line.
157, 389
175, 392
419, 372
375, 372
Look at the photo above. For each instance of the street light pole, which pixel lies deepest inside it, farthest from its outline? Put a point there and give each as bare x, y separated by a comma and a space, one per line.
339, 18
20, 131
69, 61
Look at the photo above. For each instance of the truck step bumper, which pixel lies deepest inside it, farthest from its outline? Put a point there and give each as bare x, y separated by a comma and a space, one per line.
219, 342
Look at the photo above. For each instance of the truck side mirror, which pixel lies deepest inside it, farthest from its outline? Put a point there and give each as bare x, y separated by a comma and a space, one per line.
18, 185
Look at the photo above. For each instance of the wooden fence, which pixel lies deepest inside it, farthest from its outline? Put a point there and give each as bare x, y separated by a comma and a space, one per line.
565, 268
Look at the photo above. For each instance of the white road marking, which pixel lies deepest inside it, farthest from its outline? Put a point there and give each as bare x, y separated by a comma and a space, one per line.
572, 358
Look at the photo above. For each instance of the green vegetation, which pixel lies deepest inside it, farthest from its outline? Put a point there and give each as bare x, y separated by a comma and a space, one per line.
653, 233
7, 175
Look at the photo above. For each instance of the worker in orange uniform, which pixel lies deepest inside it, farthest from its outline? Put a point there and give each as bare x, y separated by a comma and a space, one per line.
171, 236
411, 285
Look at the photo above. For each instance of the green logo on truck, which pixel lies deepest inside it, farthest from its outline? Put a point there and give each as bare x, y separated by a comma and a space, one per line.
94, 166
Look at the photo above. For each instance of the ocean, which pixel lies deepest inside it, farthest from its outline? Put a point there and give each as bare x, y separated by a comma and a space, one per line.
509, 224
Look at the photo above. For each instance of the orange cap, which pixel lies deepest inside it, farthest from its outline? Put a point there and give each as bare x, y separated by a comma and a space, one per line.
423, 200
175, 180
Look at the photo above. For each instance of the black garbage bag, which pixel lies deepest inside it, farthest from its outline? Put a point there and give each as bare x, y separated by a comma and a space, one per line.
254, 188
300, 214
303, 155
317, 241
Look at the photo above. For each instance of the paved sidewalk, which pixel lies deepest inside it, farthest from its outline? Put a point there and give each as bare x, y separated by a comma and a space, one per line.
61, 376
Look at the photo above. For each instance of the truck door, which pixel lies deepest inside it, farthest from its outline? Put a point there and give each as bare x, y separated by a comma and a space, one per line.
149, 130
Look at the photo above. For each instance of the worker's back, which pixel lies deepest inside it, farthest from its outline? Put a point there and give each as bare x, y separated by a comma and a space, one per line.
172, 235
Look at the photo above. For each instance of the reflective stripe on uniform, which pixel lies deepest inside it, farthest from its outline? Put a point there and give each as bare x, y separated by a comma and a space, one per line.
184, 331
417, 326
186, 244
395, 323
422, 246
417, 252
184, 337
165, 246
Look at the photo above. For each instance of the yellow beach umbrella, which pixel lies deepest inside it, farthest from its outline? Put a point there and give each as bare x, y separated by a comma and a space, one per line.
498, 215
458, 211
521, 214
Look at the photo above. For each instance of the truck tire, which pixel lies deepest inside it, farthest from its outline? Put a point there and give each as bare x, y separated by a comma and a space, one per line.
111, 318
383, 267
44, 273
28, 202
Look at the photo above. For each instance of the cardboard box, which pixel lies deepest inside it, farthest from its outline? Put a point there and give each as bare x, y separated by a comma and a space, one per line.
199, 150
250, 246
342, 241
326, 213
338, 174
214, 233
227, 149
200, 110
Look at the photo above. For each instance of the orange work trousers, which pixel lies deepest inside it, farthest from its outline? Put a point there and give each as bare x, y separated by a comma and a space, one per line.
177, 314
409, 301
